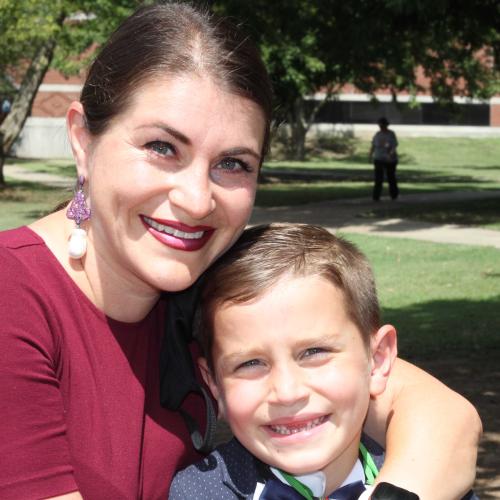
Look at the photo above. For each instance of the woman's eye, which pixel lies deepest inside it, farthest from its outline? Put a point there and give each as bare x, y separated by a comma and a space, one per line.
162, 148
234, 165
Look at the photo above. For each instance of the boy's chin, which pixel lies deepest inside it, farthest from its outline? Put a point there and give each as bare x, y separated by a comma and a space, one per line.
296, 469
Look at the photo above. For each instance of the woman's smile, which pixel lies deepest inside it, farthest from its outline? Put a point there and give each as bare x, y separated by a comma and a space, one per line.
178, 235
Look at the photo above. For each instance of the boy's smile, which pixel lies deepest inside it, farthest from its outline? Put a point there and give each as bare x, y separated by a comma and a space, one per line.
288, 427
293, 377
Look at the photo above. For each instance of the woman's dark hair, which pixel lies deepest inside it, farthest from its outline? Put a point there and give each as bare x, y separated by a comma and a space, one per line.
172, 39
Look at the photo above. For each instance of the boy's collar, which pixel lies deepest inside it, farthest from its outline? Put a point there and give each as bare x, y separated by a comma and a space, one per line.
313, 485
316, 481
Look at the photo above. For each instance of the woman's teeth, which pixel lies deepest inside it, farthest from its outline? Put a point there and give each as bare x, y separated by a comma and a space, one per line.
173, 232
294, 429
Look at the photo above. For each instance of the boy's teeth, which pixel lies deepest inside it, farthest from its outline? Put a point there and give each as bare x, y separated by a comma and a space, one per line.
173, 232
294, 429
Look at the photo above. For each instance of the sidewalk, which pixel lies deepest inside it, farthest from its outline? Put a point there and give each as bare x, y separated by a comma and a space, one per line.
342, 215
23, 174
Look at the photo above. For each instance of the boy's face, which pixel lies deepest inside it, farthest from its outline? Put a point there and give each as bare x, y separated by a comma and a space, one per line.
293, 377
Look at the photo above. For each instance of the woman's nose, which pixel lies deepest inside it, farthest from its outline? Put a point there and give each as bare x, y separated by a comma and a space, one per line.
288, 386
192, 191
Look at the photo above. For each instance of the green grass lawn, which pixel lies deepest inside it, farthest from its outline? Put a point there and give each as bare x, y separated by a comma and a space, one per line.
440, 297
23, 202
426, 165
481, 213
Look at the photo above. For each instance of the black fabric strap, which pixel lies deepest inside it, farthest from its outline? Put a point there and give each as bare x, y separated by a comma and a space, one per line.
177, 372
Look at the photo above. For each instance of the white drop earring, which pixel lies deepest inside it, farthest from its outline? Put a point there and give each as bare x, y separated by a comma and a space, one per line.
78, 211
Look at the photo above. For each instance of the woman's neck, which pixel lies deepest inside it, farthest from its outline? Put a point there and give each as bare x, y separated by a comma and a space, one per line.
117, 295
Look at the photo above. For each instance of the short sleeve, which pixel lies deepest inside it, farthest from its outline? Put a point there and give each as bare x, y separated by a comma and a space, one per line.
33, 448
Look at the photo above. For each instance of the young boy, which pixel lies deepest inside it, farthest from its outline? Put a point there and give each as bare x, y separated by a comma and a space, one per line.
294, 350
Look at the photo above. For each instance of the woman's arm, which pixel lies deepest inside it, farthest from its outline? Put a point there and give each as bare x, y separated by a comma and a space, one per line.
430, 433
69, 496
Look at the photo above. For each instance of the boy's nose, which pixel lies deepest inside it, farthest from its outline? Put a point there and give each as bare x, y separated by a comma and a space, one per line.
288, 388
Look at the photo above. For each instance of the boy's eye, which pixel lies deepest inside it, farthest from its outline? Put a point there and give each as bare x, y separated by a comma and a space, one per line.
161, 147
314, 351
233, 165
251, 363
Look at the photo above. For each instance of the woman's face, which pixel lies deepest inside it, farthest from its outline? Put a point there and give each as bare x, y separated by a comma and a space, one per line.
172, 181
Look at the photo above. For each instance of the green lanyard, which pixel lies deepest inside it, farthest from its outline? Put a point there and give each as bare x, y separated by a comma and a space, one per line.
369, 468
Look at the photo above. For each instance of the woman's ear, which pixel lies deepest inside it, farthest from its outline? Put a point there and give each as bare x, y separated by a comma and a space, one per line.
79, 136
383, 354
209, 379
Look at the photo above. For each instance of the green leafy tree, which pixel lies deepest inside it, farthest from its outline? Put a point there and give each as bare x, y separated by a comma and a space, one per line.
36, 34
308, 45
312, 45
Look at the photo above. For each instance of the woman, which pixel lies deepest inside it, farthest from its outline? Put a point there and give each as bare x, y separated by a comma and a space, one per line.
168, 139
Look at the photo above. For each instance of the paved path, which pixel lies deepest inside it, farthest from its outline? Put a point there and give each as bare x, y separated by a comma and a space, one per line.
23, 174
342, 214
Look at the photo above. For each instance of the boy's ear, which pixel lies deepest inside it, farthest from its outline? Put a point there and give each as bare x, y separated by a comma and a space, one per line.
383, 354
79, 136
209, 379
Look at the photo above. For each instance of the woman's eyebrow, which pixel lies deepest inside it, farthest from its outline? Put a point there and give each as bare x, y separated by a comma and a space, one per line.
169, 130
241, 151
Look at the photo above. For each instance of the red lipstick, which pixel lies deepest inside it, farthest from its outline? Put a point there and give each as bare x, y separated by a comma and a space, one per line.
177, 235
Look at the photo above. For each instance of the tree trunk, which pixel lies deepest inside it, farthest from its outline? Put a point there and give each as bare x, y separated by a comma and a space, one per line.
299, 130
21, 107
300, 123
2, 161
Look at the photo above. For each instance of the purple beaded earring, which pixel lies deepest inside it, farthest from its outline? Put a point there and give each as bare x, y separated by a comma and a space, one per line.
79, 212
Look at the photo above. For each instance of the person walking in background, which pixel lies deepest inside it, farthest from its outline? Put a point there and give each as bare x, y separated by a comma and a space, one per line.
384, 154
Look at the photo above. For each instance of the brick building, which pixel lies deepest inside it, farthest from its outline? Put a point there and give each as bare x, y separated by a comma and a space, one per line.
44, 133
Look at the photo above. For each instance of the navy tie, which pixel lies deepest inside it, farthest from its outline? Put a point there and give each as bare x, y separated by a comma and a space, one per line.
350, 491
274, 489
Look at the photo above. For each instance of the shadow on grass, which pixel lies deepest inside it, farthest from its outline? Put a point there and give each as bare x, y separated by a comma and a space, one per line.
470, 213
27, 185
489, 167
293, 174
439, 327
26, 193
458, 341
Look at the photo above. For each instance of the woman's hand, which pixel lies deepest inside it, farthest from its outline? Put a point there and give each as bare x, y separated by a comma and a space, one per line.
430, 433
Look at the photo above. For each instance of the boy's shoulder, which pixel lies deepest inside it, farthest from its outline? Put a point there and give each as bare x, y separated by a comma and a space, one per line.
228, 473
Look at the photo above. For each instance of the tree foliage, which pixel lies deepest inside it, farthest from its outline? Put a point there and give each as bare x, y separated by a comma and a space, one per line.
36, 34
310, 45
